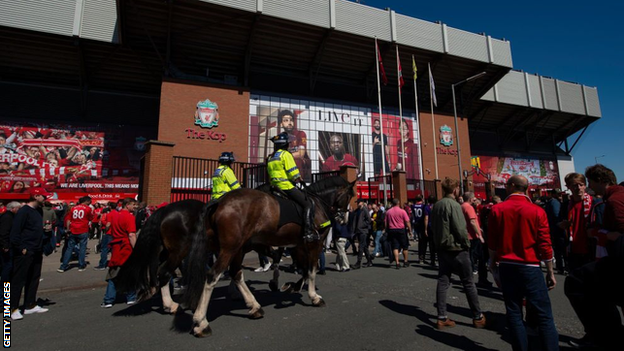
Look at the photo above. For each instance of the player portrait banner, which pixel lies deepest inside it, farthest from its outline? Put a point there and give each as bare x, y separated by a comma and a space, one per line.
70, 159
324, 136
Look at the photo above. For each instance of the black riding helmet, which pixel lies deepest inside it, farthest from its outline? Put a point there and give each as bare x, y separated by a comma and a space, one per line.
281, 140
226, 158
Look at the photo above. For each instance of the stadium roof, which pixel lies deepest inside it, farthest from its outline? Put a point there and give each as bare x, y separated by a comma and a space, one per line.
318, 48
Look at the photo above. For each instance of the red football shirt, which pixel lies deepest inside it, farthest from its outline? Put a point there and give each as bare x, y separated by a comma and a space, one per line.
122, 224
331, 164
79, 218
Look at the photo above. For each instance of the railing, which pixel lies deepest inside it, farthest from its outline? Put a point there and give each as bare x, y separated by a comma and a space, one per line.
376, 188
424, 188
255, 175
192, 177
322, 175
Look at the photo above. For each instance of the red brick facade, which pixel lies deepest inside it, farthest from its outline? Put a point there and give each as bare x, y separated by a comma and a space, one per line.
178, 101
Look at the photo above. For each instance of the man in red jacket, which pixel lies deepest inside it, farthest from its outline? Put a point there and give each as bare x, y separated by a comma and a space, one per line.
519, 239
123, 230
78, 220
597, 289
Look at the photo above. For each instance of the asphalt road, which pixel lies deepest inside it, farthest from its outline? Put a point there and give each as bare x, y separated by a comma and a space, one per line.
376, 308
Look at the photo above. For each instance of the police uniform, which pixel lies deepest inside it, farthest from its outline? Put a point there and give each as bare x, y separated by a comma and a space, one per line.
283, 172
223, 181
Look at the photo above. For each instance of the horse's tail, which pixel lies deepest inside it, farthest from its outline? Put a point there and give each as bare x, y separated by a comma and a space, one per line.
199, 256
134, 273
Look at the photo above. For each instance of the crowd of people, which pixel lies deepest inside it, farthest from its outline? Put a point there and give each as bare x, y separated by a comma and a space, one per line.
37, 228
579, 236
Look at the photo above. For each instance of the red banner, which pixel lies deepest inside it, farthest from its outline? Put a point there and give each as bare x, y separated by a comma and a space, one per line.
68, 159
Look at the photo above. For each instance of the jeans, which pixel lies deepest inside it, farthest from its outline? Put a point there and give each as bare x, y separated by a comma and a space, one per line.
60, 233
423, 242
342, 261
321, 267
363, 247
111, 293
456, 262
378, 249
475, 253
26, 274
104, 250
519, 282
76, 239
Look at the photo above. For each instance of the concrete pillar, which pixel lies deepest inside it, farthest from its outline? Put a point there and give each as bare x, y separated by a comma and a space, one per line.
399, 186
157, 172
350, 174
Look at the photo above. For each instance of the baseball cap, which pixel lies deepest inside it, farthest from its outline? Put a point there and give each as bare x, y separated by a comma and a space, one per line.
40, 191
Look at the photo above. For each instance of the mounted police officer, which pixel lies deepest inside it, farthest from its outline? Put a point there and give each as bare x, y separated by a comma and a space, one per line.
223, 179
283, 172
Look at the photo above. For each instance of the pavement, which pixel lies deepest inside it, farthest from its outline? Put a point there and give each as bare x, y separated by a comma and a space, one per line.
72, 279
376, 308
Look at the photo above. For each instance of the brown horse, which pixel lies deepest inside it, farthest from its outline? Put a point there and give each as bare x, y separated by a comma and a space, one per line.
163, 243
250, 217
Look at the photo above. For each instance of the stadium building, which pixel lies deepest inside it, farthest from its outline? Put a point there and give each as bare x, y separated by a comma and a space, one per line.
87, 83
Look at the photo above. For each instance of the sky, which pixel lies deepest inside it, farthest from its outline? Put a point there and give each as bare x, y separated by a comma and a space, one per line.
574, 41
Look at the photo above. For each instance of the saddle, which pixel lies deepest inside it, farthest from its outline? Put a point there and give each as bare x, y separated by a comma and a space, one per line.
290, 211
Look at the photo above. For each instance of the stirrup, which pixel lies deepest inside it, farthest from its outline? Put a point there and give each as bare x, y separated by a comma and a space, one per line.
311, 236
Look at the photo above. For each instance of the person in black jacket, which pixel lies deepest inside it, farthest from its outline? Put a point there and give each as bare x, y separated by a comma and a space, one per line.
27, 243
360, 224
6, 222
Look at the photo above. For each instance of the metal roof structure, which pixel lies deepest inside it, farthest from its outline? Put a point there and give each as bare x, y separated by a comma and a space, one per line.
313, 48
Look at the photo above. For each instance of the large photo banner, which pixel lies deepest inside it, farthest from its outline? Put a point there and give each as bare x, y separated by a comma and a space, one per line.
540, 173
68, 160
325, 136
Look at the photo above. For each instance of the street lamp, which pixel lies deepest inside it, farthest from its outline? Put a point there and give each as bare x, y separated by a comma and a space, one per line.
459, 165
597, 157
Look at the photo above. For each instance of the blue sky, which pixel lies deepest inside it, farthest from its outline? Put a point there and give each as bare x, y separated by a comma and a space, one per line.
574, 41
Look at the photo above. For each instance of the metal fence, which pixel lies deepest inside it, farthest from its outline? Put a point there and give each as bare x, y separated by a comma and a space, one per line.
376, 188
192, 177
322, 175
255, 175
424, 188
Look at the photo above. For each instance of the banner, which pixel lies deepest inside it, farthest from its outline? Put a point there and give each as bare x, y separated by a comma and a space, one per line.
325, 136
540, 173
70, 159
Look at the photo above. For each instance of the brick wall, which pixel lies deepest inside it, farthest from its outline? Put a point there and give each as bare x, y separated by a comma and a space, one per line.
157, 170
447, 163
178, 102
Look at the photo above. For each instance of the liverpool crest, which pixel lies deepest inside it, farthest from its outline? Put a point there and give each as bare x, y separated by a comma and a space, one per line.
207, 114
446, 136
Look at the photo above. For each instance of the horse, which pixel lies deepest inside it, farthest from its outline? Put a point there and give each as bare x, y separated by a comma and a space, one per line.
162, 244
250, 217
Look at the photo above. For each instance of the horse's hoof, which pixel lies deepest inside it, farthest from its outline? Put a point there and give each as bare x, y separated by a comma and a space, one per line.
273, 286
173, 309
257, 315
287, 288
201, 333
320, 303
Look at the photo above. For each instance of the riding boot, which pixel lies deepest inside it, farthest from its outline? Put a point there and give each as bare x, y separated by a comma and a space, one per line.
310, 234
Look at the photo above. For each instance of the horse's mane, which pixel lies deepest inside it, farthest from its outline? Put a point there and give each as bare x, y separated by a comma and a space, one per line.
327, 184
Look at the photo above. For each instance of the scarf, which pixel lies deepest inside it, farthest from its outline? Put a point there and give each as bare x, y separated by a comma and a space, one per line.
587, 202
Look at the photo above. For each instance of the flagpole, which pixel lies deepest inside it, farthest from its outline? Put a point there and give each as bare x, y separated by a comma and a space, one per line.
399, 76
435, 151
420, 161
383, 157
